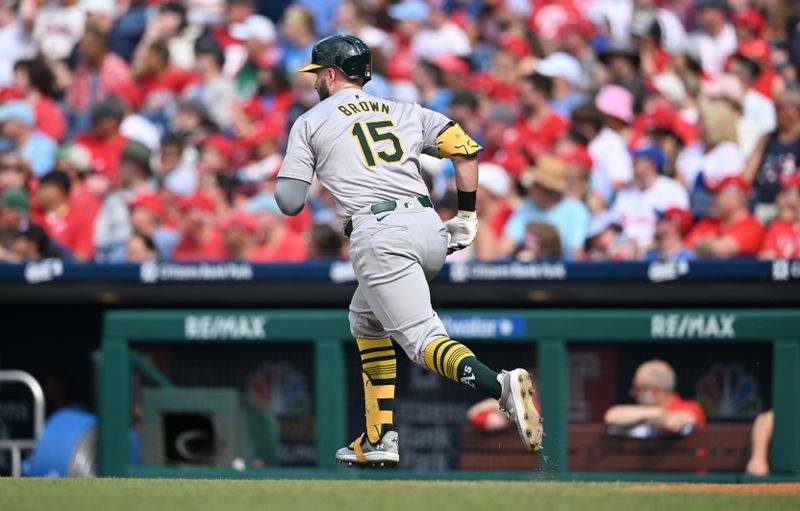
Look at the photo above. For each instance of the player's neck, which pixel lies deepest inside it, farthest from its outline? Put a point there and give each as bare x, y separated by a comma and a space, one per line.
345, 86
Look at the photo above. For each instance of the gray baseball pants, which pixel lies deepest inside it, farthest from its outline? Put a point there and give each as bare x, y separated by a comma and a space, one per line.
395, 254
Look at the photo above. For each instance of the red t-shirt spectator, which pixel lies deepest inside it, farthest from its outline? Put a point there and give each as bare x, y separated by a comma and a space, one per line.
686, 405
73, 230
211, 250
290, 247
782, 240
748, 233
300, 223
105, 153
537, 139
89, 200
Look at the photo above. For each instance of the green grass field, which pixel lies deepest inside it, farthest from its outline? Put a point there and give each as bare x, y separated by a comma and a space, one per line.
189, 495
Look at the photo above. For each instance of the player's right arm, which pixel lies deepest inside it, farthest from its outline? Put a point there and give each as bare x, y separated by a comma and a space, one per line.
296, 171
291, 195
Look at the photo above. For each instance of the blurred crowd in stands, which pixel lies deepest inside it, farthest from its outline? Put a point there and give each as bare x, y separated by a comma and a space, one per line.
613, 129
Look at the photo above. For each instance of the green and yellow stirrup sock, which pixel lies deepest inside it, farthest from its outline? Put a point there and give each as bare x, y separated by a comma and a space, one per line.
455, 361
379, 372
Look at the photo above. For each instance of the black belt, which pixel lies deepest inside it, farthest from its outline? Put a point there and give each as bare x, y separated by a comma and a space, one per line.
383, 207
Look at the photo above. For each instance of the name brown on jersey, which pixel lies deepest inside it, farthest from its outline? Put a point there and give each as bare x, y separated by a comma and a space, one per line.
349, 109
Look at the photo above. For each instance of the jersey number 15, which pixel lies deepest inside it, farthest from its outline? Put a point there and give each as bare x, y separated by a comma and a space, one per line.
372, 136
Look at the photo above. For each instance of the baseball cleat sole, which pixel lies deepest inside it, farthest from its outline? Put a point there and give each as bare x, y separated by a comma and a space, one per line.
530, 425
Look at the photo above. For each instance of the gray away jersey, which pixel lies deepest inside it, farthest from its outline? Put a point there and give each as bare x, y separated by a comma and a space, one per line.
364, 149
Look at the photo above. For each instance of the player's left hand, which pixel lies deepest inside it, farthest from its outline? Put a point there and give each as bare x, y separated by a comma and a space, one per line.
462, 229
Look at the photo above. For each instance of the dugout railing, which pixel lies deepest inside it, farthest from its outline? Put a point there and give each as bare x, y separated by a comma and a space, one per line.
550, 330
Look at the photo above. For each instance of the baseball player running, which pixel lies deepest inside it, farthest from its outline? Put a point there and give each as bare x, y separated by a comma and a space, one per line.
365, 150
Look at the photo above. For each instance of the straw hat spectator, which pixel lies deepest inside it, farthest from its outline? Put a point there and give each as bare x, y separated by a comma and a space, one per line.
546, 184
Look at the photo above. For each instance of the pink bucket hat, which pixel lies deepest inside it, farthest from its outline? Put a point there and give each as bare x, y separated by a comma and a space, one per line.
615, 101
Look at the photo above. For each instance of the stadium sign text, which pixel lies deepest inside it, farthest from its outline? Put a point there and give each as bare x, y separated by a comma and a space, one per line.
211, 328
484, 327
152, 272
667, 270
468, 272
784, 270
693, 326
45, 270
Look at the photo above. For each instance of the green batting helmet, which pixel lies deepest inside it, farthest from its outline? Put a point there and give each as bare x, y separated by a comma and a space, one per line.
347, 53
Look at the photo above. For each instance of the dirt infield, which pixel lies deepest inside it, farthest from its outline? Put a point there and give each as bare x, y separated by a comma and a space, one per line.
792, 489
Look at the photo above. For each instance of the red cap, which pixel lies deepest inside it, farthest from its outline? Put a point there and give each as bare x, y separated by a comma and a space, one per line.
579, 155
666, 118
149, 201
756, 49
222, 145
452, 64
678, 216
660, 117
199, 200
515, 45
730, 181
750, 18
